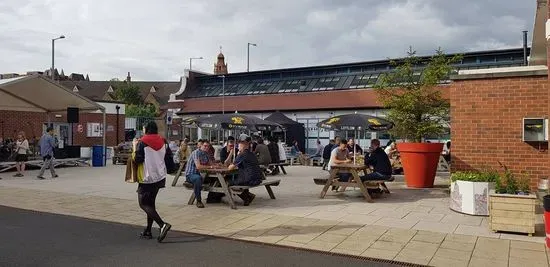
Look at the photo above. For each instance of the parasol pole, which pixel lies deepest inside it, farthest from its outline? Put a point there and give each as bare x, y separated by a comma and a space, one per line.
354, 147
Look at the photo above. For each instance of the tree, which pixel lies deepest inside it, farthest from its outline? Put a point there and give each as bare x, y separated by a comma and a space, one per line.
146, 111
410, 94
128, 93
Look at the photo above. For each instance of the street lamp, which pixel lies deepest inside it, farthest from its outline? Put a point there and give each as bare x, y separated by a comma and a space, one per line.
53, 54
117, 129
191, 61
248, 56
223, 93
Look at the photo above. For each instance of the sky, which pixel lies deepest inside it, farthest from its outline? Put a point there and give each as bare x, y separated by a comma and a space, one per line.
153, 40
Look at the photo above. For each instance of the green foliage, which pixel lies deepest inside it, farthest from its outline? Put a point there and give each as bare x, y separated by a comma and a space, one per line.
128, 93
145, 111
523, 183
412, 98
488, 176
510, 184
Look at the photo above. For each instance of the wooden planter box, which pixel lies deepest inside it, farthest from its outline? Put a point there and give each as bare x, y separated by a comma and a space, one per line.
512, 213
471, 197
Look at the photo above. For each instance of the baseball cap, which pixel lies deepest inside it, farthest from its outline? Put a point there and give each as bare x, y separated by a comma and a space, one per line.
244, 138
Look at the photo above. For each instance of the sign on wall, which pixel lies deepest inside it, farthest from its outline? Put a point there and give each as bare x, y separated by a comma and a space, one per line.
94, 129
110, 128
80, 128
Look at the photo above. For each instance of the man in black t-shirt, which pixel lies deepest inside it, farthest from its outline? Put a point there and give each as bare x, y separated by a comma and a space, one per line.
379, 160
250, 173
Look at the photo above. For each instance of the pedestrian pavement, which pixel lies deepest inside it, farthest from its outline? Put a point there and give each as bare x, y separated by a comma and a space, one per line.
409, 225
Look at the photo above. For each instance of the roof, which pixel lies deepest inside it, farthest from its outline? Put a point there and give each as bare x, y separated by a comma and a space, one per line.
39, 94
330, 100
280, 118
347, 76
95, 90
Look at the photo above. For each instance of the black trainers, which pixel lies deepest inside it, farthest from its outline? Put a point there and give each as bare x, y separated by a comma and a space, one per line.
249, 199
146, 235
55, 176
200, 205
40, 177
163, 231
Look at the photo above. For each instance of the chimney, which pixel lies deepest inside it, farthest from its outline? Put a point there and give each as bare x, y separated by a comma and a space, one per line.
525, 63
129, 78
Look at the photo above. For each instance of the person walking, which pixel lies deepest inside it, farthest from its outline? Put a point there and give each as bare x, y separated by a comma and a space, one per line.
151, 154
21, 150
47, 144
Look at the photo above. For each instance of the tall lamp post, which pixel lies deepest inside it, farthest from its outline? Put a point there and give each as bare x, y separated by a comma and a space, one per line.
223, 93
53, 55
117, 128
248, 56
191, 61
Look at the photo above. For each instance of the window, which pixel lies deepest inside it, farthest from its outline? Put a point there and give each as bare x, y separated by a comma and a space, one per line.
324, 84
290, 86
364, 81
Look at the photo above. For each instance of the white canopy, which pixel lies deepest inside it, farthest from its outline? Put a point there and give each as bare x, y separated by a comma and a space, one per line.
39, 94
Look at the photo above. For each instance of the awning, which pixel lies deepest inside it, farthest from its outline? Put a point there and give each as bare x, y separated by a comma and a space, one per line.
39, 94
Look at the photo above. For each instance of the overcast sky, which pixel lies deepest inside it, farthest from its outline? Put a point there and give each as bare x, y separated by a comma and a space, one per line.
154, 39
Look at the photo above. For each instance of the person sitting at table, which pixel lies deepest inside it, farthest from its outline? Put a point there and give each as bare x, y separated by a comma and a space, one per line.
249, 171
340, 155
230, 144
352, 144
327, 150
379, 161
275, 155
262, 153
198, 159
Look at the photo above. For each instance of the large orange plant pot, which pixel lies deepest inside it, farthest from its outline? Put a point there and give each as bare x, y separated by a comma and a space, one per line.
420, 162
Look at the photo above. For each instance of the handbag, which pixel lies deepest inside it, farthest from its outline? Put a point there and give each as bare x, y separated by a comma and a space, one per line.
169, 161
131, 171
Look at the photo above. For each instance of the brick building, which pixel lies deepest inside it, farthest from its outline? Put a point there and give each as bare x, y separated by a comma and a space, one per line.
488, 108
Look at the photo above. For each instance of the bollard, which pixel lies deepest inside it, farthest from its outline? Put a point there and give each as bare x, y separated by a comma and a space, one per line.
546, 203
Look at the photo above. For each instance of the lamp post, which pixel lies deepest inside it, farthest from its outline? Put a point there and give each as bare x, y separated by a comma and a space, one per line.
117, 128
191, 61
53, 55
248, 56
223, 93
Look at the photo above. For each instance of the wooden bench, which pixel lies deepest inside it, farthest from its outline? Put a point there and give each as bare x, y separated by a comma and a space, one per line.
280, 166
374, 184
316, 161
267, 183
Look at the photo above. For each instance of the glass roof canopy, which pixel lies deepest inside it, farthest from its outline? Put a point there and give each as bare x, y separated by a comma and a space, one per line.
335, 77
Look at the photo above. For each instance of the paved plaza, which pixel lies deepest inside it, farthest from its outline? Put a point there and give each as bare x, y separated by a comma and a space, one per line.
409, 225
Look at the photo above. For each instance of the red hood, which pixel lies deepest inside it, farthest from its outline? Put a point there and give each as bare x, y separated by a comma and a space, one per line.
154, 141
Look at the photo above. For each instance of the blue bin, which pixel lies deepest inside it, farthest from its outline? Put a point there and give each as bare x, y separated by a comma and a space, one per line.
98, 157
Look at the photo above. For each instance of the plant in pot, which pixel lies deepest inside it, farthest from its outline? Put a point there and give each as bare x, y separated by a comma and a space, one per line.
415, 105
512, 205
470, 191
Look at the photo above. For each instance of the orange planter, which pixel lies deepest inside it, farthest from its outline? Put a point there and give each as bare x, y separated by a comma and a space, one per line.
420, 162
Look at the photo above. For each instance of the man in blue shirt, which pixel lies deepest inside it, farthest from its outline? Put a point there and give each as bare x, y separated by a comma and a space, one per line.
198, 159
47, 144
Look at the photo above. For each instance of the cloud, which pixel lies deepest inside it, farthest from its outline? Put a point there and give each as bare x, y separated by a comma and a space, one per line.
154, 39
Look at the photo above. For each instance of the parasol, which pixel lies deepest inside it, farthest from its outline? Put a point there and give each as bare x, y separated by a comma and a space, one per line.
355, 122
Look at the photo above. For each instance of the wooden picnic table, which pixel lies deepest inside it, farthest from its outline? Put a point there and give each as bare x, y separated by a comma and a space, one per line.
221, 186
355, 180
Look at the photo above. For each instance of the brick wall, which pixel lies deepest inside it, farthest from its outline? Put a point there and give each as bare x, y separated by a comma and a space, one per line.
31, 123
486, 119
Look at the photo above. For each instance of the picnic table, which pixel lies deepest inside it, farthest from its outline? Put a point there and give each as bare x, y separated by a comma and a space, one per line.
220, 185
355, 180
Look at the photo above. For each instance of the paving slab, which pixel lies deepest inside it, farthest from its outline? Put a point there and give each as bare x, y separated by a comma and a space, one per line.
393, 227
